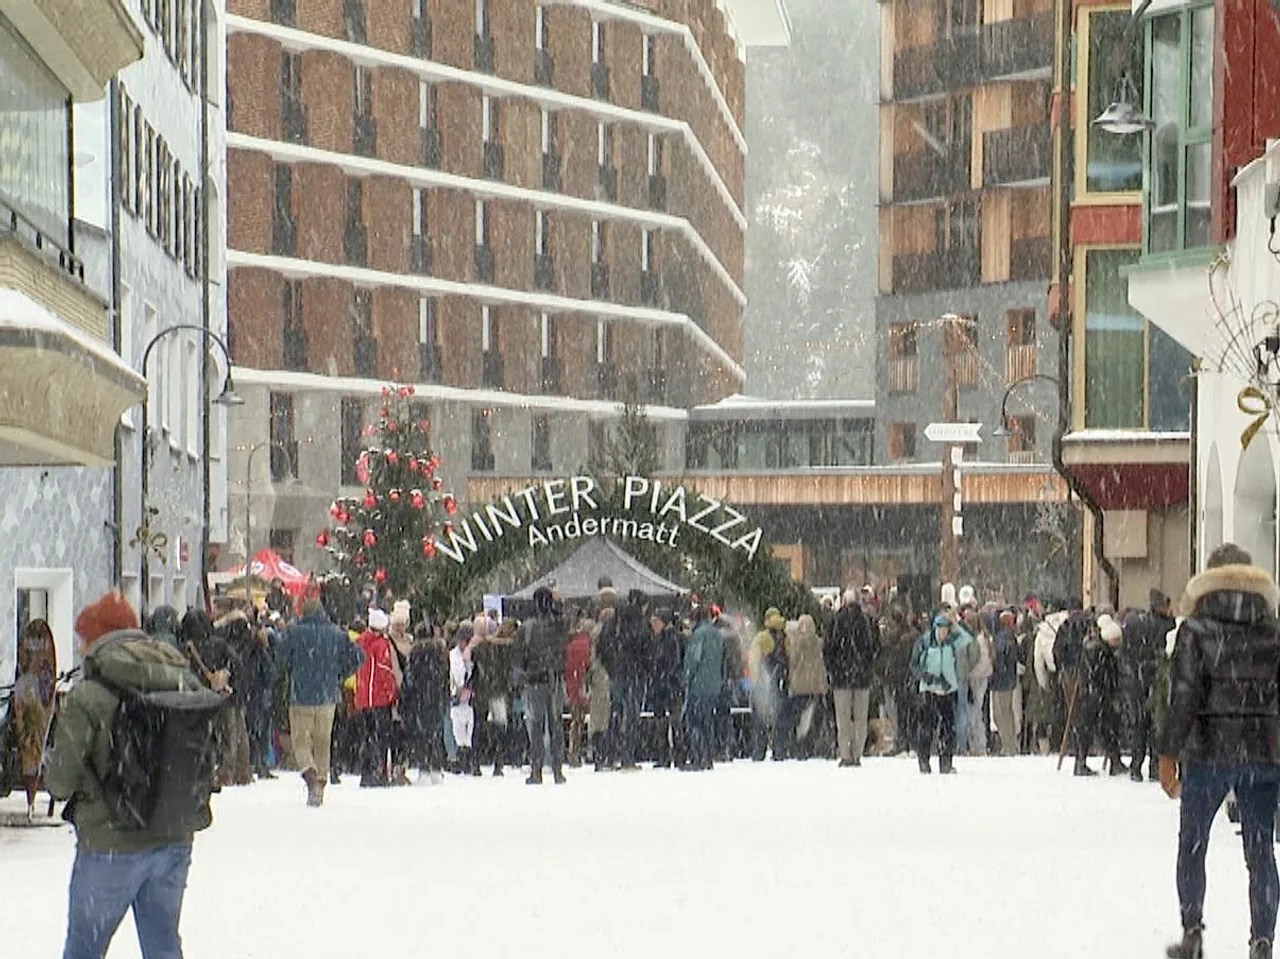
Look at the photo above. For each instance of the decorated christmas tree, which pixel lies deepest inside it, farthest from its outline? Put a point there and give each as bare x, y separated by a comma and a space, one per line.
387, 537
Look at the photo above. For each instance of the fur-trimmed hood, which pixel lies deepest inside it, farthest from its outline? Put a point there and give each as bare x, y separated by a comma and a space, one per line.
1240, 580
235, 616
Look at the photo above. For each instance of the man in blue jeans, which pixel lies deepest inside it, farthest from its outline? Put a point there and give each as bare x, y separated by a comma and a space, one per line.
118, 868
1223, 728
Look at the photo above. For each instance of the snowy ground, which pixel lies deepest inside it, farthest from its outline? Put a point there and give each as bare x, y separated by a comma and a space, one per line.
753, 860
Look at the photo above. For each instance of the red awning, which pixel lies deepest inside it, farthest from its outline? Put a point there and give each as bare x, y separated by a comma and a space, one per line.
267, 565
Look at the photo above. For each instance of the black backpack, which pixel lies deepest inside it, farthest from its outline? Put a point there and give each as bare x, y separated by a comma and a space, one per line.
163, 759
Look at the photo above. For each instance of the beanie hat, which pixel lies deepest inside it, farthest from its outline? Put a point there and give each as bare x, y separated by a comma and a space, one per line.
968, 596
773, 619
948, 594
1111, 632
378, 620
108, 614
400, 612
1158, 599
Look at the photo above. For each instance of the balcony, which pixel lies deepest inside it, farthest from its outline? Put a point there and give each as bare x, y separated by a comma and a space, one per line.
551, 172
965, 364
1018, 48
608, 184
294, 118
649, 94
947, 64
430, 147
365, 135
1017, 155
1031, 258
954, 269
420, 253
543, 272
926, 175
283, 13
355, 245
492, 370
283, 235
1020, 457
543, 68
550, 374
649, 288
420, 41
428, 363
83, 44
295, 346
484, 263
903, 374
484, 53
600, 81
493, 160
1019, 362
657, 192
599, 281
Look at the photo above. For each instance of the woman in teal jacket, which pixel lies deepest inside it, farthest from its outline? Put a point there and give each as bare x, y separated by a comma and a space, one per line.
934, 665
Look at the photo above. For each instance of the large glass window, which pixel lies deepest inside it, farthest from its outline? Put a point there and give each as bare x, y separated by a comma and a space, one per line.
1133, 370
1180, 101
34, 148
780, 445
1113, 164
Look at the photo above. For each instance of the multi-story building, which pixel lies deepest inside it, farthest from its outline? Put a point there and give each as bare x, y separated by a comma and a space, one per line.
1129, 383
64, 385
965, 163
531, 211
1205, 271
166, 209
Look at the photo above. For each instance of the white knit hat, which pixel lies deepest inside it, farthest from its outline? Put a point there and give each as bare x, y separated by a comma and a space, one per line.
378, 620
400, 612
1111, 632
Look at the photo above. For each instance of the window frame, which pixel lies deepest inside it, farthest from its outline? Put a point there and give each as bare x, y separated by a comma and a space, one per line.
1082, 195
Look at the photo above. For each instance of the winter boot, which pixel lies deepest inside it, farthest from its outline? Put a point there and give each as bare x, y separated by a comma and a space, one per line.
475, 763
924, 765
1260, 949
535, 776
1135, 771
1082, 768
335, 777
558, 775
1191, 946
320, 791
1116, 765
312, 779
497, 766
945, 767
597, 751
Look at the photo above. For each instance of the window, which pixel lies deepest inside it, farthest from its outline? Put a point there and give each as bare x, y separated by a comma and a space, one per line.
1180, 101
655, 155
540, 27
482, 440
902, 441
149, 196
903, 369
1113, 164
648, 54
155, 405
550, 354
1021, 444
547, 326
482, 224
282, 543
902, 339
124, 146
353, 17
597, 42
597, 242
482, 18
282, 227
487, 123
293, 115
125, 326
1020, 327
191, 407
540, 460
428, 342
548, 142
284, 449
491, 349
364, 348
352, 439
294, 334
420, 245
420, 38
355, 243
542, 233
1020, 344
604, 145
426, 105
1133, 370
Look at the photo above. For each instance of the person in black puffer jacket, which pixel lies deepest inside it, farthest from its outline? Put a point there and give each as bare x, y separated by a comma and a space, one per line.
1141, 656
1223, 728
539, 654
849, 653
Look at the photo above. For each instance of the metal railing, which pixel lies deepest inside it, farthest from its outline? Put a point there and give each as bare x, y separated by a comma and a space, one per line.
903, 374
1019, 362
1017, 46
29, 235
1017, 154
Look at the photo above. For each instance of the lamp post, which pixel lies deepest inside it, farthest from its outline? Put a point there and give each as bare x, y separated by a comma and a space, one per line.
248, 502
1003, 429
228, 397
1124, 116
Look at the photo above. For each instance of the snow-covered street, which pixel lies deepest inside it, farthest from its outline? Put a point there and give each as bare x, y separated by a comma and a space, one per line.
753, 860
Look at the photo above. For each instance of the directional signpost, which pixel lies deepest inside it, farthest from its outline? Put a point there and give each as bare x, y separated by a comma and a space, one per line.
955, 436
953, 433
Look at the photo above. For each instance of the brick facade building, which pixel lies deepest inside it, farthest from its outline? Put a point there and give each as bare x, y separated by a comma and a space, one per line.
529, 210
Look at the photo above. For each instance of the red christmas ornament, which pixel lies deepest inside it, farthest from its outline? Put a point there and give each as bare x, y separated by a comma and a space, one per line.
335, 510
437, 484
392, 457
450, 504
322, 539
435, 462
416, 500
412, 464
359, 557
344, 518
410, 389
370, 538
428, 546
380, 576
370, 501
404, 392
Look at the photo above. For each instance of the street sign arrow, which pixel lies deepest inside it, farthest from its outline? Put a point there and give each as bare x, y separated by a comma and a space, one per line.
953, 432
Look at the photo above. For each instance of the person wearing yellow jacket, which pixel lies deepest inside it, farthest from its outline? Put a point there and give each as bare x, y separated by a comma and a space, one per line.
767, 666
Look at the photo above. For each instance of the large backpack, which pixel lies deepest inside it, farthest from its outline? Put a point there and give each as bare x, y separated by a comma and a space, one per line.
163, 758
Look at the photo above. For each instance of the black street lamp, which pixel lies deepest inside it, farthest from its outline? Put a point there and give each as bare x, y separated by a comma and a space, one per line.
228, 397
1003, 429
1124, 116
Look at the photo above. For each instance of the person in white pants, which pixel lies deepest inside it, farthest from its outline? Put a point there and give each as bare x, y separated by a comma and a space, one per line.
461, 714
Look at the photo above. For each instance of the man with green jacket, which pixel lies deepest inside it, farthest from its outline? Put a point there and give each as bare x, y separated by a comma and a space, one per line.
117, 869
704, 658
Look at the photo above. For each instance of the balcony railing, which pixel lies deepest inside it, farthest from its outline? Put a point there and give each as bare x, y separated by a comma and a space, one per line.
1023, 45
1019, 362
965, 362
903, 374
1017, 155
1020, 457
953, 269
947, 64
1031, 258
924, 174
